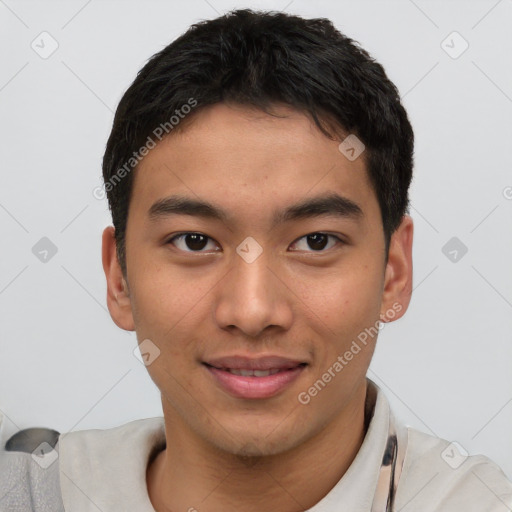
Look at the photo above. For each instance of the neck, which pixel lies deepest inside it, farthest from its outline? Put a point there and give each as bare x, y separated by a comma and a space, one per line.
191, 474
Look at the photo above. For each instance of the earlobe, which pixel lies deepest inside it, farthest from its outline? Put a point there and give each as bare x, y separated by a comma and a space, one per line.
398, 275
118, 296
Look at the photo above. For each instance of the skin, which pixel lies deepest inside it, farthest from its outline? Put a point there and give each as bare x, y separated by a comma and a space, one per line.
226, 453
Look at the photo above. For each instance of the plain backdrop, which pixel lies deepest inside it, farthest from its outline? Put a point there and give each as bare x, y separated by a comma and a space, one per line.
445, 366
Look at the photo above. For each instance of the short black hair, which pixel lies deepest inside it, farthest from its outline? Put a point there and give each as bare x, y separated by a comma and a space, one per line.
260, 59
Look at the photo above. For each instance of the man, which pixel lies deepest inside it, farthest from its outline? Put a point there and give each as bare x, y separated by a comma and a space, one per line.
257, 173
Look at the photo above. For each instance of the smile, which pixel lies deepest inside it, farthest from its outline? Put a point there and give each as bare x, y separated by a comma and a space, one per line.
254, 384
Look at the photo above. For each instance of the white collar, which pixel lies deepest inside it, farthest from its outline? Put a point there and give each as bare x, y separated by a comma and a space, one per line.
106, 469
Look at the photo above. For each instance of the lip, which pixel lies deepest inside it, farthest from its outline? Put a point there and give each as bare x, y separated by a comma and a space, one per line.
252, 387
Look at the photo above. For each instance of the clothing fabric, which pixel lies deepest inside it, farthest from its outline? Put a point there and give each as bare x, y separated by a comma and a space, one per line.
106, 470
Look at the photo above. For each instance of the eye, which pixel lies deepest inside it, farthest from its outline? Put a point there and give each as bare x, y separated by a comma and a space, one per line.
190, 242
318, 241
196, 242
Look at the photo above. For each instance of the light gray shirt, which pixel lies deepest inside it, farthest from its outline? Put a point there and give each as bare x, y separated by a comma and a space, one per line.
105, 470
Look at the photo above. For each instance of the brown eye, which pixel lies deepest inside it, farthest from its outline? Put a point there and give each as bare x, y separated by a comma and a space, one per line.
317, 242
190, 242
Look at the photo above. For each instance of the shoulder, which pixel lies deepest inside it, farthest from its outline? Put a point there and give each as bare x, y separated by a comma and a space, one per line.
437, 476
115, 439
29, 483
98, 460
81, 464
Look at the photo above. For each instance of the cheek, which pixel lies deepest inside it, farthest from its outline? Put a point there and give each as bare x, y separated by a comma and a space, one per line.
163, 295
164, 308
345, 300
165, 311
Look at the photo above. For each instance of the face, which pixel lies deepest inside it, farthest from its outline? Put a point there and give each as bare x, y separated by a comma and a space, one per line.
256, 279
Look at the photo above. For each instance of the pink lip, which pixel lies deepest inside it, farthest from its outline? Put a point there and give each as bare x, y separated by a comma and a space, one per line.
255, 387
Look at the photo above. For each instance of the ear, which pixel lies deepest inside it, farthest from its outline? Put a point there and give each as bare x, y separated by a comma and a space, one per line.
397, 288
118, 298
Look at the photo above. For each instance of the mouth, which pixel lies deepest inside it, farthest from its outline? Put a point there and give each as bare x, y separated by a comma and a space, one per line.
255, 373
260, 378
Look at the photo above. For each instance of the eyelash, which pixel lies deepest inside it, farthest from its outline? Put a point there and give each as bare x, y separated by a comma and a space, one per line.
181, 235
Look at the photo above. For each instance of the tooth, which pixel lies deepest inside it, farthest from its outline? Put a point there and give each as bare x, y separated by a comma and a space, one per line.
253, 373
261, 373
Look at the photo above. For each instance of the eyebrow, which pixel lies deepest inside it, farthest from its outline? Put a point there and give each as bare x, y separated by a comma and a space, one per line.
331, 204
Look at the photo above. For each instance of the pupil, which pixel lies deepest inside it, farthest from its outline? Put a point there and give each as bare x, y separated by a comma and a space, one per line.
193, 241
313, 241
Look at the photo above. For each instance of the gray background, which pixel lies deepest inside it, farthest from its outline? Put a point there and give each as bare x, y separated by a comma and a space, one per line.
446, 366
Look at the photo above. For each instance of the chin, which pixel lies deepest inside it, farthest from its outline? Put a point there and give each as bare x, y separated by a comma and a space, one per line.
255, 443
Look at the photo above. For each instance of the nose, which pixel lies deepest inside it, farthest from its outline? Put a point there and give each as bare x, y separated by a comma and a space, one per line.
253, 297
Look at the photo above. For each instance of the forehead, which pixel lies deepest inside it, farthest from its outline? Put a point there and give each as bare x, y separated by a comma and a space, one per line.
242, 157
